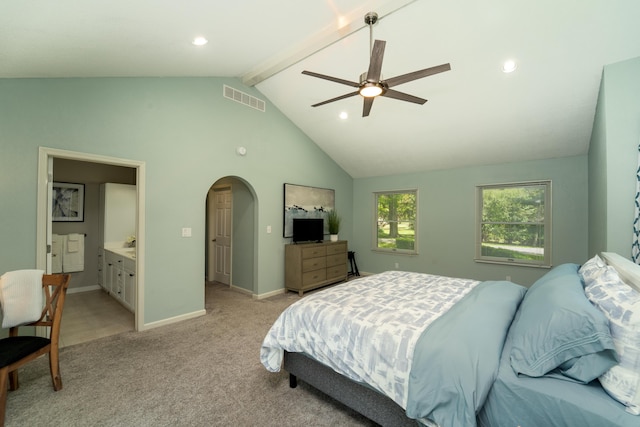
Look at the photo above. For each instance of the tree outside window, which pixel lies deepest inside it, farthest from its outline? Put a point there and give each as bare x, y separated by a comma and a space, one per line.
514, 223
396, 221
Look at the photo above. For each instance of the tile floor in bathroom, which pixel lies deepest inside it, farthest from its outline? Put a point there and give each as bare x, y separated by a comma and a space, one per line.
91, 315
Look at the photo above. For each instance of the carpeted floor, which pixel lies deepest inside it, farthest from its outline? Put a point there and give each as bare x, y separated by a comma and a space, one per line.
200, 372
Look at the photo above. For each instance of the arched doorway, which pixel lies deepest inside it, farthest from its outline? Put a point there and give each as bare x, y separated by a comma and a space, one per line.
231, 212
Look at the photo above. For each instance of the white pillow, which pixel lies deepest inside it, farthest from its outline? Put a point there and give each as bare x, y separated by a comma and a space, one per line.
21, 297
590, 270
621, 305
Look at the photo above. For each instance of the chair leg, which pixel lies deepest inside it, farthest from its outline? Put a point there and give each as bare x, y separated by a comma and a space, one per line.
3, 394
13, 380
54, 366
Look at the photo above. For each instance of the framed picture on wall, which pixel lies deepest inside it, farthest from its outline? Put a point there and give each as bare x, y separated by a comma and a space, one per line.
301, 201
67, 204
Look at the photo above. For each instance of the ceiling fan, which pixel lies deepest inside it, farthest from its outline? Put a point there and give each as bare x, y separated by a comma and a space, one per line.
371, 83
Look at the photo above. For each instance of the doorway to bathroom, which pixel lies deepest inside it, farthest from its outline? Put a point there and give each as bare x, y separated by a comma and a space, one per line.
92, 170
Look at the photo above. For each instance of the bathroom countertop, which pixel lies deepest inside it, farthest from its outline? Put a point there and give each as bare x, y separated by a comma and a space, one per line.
125, 252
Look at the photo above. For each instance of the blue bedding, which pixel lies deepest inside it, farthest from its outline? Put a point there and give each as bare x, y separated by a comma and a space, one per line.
456, 359
526, 401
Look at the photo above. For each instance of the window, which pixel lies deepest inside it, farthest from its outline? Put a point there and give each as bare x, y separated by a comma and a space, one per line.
514, 223
396, 221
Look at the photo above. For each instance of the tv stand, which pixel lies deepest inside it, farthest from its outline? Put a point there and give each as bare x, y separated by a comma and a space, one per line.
313, 265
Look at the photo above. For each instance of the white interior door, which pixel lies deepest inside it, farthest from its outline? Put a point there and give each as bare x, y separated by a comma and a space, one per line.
222, 235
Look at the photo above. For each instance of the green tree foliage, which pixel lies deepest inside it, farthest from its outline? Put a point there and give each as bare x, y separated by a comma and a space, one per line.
513, 215
394, 208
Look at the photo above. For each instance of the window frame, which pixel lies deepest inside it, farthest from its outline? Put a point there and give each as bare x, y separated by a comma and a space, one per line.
547, 224
375, 241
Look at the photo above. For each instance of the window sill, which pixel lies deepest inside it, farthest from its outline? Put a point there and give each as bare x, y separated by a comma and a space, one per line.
514, 263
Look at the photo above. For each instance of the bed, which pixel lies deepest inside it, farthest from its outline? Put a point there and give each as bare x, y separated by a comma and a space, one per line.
408, 348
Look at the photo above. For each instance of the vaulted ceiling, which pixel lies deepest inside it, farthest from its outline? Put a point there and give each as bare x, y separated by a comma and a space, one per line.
475, 114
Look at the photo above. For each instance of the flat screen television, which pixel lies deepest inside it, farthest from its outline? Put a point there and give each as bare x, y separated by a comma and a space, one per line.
308, 230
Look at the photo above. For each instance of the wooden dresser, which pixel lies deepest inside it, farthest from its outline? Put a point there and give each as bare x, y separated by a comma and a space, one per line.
309, 266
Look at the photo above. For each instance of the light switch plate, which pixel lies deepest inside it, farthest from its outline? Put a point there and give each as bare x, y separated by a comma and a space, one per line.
186, 232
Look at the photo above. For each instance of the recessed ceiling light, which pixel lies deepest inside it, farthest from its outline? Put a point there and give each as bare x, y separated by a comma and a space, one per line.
344, 115
509, 66
200, 41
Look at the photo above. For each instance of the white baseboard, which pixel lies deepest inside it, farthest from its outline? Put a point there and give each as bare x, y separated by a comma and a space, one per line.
83, 289
241, 290
270, 294
175, 319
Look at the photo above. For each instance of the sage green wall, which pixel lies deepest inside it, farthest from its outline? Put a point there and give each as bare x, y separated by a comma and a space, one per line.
244, 208
598, 179
613, 159
187, 133
447, 213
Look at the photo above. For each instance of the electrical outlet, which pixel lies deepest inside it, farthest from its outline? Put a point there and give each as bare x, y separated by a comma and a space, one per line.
397, 265
508, 278
186, 232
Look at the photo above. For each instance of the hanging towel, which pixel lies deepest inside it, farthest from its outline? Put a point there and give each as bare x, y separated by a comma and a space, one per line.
56, 253
73, 242
73, 253
21, 297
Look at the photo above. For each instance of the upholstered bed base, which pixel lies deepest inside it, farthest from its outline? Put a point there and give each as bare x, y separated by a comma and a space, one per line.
358, 397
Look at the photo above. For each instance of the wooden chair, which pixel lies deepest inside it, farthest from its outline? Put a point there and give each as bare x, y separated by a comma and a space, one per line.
16, 351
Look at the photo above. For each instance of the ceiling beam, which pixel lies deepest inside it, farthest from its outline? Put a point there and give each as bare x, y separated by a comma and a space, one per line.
346, 26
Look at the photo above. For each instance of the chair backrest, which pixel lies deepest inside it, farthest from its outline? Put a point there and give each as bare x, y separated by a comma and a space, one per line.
55, 290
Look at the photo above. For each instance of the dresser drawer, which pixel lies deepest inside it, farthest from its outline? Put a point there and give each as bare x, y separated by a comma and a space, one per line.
339, 248
338, 271
313, 264
314, 252
340, 259
313, 277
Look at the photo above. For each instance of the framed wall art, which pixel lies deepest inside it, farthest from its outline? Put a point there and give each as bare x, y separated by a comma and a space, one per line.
67, 202
301, 201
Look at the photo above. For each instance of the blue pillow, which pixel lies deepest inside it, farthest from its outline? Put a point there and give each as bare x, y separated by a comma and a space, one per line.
557, 332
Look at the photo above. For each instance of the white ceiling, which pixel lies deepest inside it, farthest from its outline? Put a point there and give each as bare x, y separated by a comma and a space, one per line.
475, 115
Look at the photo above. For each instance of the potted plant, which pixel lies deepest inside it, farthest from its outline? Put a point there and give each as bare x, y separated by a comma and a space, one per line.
333, 219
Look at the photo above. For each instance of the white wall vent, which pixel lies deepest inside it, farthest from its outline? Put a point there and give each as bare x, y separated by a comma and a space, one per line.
244, 98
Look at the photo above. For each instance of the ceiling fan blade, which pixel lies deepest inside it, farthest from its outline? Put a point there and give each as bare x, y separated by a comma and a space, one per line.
338, 98
398, 80
375, 64
333, 79
390, 93
366, 109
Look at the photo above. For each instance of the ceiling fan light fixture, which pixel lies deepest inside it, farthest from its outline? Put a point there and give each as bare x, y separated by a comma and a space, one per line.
370, 90
371, 83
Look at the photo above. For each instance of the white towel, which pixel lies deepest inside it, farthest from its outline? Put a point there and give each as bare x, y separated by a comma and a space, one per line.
56, 253
73, 253
21, 297
73, 242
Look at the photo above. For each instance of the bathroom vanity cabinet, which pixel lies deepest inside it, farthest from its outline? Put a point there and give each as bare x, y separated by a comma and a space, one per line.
120, 275
116, 262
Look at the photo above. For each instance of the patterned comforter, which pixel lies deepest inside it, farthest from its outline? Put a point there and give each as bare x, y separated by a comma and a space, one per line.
366, 329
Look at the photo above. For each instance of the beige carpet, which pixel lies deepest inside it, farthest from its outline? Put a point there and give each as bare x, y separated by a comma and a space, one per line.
200, 372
